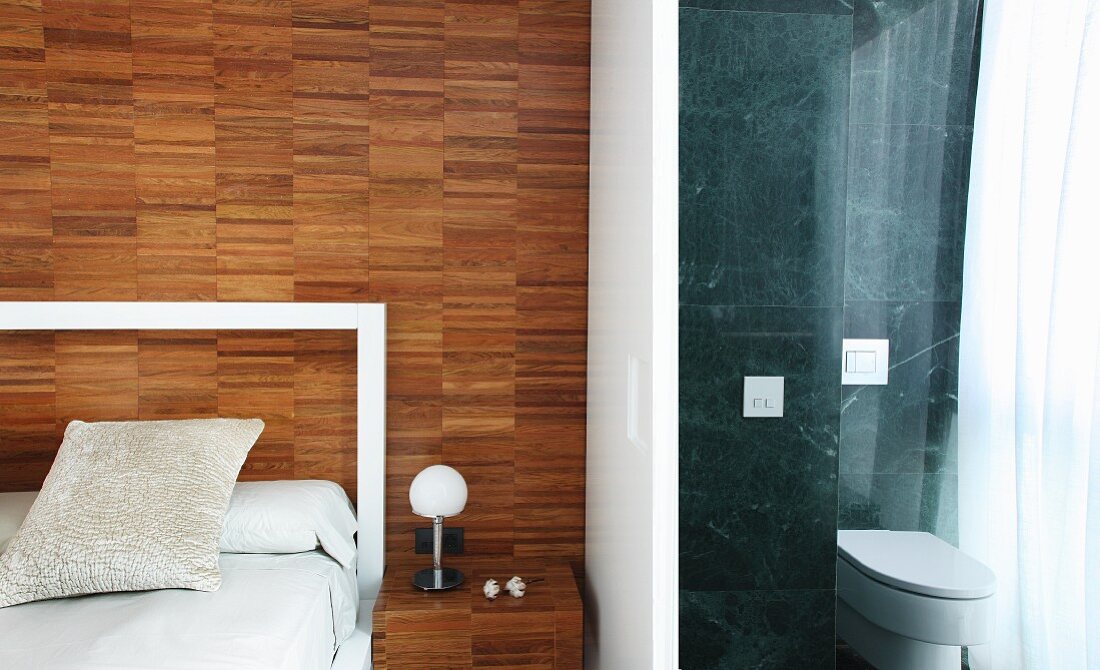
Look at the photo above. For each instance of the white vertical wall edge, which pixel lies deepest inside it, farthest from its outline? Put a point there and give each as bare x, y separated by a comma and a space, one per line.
631, 494
666, 333
369, 320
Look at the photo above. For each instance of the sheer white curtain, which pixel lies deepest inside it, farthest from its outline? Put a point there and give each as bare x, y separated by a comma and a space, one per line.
1029, 391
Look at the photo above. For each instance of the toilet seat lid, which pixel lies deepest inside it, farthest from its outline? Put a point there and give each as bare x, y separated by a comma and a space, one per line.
917, 562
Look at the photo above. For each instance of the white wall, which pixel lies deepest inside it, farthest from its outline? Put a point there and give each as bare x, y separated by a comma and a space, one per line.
631, 551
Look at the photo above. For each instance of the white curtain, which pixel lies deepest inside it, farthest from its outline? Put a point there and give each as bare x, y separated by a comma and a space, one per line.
1029, 388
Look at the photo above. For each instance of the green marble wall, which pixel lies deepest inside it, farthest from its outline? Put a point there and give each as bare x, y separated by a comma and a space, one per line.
823, 178
763, 172
914, 74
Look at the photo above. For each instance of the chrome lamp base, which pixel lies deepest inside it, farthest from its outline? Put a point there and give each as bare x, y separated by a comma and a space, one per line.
432, 579
437, 577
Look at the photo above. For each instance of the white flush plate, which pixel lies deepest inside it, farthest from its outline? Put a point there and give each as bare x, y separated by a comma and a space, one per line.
763, 397
865, 362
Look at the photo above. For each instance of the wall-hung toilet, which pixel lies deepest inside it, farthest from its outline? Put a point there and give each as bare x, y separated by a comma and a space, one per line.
910, 601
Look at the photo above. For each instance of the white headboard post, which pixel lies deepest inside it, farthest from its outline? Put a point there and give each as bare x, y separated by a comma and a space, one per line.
369, 322
371, 473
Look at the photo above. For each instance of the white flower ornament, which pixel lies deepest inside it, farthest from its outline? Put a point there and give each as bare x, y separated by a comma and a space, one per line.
491, 589
516, 587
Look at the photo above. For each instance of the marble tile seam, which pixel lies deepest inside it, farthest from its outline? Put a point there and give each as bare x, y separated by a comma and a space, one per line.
785, 590
898, 473
850, 303
758, 11
776, 305
952, 126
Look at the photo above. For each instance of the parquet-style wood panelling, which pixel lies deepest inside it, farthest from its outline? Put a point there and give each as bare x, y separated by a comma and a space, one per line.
430, 154
28, 409
551, 277
331, 51
173, 47
406, 235
301, 383
26, 229
89, 83
481, 115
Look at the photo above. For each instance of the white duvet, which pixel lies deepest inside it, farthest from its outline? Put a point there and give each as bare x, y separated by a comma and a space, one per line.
272, 612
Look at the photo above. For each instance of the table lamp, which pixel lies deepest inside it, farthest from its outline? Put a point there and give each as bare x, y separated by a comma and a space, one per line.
438, 491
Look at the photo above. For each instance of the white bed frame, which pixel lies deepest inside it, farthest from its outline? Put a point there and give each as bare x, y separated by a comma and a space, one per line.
369, 322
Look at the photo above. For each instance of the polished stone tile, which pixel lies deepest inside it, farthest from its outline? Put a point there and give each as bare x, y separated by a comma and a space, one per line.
910, 424
929, 503
848, 659
780, 6
705, 225
769, 175
762, 630
914, 62
758, 496
907, 196
763, 166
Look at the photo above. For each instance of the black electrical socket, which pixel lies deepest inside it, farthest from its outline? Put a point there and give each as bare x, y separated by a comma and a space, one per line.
454, 540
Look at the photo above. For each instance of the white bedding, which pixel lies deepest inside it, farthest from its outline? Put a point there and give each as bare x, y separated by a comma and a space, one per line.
272, 612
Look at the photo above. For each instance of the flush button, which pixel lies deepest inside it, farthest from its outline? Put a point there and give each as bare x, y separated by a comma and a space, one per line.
865, 362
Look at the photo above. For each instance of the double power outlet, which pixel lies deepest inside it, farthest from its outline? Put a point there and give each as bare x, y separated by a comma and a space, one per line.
454, 541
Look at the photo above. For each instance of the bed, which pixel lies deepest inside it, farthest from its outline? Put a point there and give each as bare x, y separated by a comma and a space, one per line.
292, 611
281, 612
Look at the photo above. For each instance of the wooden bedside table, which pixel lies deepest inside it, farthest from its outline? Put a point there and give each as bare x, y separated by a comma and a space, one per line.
459, 628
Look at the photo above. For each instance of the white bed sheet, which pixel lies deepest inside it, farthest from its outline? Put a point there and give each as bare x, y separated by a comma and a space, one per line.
272, 612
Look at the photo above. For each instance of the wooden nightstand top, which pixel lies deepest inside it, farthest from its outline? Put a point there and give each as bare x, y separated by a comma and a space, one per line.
461, 629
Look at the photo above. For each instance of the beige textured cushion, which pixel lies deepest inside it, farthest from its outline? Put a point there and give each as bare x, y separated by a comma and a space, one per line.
129, 506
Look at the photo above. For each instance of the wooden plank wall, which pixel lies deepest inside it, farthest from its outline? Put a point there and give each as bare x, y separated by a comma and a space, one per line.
430, 154
301, 383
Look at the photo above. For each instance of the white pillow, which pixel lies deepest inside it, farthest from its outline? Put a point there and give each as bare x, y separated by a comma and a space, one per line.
129, 506
288, 517
284, 517
13, 509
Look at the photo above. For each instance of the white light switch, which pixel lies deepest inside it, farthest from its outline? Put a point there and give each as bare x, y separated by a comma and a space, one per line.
763, 397
865, 362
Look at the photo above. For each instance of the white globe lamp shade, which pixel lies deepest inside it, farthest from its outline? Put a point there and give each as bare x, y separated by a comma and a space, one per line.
439, 490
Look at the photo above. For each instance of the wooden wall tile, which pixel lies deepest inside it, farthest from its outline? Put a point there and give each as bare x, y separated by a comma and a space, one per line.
430, 154
406, 236
91, 110
479, 254
96, 377
301, 383
177, 374
254, 125
173, 53
325, 443
331, 149
256, 379
551, 260
26, 229
28, 424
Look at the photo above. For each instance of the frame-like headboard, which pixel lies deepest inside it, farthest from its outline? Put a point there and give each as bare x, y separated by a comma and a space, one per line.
369, 322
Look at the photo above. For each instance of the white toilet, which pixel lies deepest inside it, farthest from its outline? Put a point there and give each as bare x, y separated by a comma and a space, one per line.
910, 601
